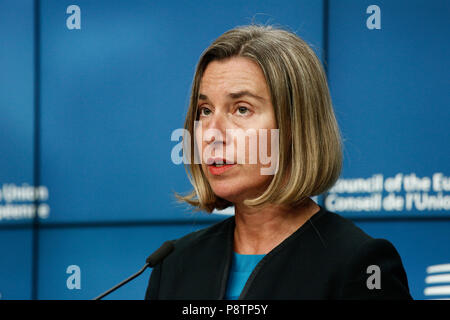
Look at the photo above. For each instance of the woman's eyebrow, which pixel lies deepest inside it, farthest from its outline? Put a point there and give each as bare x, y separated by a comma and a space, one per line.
235, 95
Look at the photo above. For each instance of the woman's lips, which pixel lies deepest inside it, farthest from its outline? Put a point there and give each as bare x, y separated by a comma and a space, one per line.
212, 161
217, 170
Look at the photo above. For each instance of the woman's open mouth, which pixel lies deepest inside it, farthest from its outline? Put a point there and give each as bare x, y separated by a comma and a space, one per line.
219, 166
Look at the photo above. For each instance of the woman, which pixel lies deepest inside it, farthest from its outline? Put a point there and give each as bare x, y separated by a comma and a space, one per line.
255, 83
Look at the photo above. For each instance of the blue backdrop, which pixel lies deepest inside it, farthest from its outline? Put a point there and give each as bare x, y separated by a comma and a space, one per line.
91, 91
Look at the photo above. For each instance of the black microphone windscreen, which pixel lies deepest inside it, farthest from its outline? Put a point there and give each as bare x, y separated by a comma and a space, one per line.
157, 256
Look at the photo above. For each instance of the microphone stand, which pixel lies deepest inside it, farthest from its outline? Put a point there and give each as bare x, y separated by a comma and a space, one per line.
155, 258
123, 282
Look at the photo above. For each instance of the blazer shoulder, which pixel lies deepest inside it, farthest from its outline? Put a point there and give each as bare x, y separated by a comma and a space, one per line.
339, 233
189, 251
375, 271
355, 255
191, 240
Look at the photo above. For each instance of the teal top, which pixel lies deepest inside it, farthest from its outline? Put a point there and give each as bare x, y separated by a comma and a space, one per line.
242, 266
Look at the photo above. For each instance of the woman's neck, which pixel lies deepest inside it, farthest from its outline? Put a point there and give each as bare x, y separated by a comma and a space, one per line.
258, 231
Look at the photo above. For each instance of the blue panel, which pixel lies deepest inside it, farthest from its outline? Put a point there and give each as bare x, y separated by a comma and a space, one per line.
16, 263
421, 244
114, 90
16, 105
390, 92
104, 257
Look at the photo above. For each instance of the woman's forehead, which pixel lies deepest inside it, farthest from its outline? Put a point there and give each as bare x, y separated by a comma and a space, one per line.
233, 77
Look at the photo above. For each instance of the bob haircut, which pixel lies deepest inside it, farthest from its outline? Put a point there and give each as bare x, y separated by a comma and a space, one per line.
310, 152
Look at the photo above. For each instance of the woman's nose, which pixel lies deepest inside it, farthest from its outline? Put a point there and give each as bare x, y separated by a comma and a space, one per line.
216, 128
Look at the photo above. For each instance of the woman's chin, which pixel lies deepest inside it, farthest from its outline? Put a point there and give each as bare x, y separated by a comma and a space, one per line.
226, 194
235, 195
228, 190
238, 189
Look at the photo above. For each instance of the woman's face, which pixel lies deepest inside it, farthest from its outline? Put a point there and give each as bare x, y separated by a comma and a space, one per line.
234, 103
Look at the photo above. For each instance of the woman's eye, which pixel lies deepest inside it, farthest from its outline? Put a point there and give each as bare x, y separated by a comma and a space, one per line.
243, 110
205, 112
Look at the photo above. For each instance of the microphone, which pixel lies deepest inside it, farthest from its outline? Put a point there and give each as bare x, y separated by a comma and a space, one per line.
155, 258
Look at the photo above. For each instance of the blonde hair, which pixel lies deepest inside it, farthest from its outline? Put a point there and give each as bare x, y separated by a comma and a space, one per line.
310, 153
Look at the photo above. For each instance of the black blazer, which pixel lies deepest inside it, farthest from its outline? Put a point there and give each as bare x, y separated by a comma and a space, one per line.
326, 258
